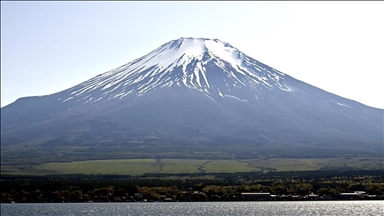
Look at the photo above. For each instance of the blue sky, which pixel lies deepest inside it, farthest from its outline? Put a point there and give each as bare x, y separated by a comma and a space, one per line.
47, 47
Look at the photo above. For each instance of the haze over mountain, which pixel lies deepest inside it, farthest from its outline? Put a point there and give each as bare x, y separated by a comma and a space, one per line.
188, 95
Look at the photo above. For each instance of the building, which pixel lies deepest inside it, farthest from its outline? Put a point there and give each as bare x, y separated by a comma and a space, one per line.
353, 195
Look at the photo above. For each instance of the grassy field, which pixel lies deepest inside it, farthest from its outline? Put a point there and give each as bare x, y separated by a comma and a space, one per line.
140, 166
300, 164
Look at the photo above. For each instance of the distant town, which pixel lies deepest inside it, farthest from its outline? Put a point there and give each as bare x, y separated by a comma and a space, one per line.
190, 196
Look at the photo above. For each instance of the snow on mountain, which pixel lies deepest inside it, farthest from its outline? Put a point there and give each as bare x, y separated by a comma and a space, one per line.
198, 63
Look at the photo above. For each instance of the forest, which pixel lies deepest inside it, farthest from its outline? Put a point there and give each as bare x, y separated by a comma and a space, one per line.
292, 185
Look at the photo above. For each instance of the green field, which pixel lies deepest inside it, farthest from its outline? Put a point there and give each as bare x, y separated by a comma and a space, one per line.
141, 166
308, 164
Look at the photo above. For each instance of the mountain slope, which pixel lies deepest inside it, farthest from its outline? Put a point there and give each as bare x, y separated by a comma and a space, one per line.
193, 92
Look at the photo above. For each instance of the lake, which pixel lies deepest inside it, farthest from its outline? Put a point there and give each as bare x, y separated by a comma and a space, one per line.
286, 208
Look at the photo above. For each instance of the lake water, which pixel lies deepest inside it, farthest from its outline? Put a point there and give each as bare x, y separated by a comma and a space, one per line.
365, 208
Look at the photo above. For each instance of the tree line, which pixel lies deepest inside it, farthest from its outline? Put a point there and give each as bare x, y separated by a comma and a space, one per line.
188, 187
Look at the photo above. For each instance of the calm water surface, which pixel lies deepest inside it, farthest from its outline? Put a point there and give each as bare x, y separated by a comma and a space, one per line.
365, 208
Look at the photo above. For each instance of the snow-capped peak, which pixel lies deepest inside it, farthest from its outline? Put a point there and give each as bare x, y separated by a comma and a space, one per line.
210, 66
185, 49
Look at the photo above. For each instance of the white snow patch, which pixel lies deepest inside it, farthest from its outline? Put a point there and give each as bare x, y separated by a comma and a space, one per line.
343, 104
340, 104
67, 99
221, 95
97, 100
226, 53
231, 96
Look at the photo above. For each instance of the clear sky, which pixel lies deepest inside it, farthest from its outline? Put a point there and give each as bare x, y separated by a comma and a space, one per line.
47, 47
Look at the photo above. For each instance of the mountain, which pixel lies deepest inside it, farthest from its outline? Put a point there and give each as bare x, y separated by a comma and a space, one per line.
190, 97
